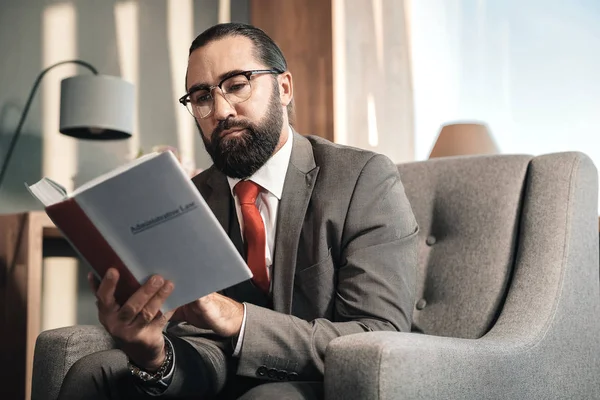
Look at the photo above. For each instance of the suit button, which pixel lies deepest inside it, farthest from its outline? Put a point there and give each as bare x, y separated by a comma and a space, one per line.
261, 371
272, 373
282, 375
430, 240
421, 304
292, 376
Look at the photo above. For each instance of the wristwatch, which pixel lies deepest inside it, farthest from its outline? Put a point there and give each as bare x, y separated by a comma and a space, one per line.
163, 370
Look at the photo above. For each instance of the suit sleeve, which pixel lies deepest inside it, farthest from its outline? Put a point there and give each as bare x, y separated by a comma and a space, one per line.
375, 284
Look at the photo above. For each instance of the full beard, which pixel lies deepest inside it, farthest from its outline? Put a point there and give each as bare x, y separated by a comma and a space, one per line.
240, 156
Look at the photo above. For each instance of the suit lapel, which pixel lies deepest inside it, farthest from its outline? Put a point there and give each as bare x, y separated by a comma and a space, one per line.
299, 183
215, 191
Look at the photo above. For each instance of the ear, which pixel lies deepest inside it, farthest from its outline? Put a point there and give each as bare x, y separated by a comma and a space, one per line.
286, 88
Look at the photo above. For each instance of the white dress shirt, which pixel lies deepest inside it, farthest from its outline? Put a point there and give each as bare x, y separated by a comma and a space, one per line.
271, 177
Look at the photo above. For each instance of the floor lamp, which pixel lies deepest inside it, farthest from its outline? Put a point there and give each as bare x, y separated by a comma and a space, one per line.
93, 107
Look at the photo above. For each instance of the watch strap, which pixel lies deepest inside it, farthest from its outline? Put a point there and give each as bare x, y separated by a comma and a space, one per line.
158, 375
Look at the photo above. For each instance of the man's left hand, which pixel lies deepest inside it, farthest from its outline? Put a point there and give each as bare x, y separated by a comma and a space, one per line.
214, 311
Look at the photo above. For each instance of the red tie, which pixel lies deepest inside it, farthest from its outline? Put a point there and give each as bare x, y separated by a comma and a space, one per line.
254, 233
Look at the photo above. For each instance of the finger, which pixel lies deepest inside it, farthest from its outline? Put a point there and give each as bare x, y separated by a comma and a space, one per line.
134, 305
151, 311
93, 282
106, 290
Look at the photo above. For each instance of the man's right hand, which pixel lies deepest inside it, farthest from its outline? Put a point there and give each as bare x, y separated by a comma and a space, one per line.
137, 325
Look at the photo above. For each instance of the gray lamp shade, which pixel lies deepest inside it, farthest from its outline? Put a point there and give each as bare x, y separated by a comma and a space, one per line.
97, 107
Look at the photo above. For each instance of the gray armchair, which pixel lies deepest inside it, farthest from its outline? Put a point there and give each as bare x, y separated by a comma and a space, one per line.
508, 300
508, 296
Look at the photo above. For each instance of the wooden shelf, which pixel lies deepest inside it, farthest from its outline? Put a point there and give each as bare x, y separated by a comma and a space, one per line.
21, 251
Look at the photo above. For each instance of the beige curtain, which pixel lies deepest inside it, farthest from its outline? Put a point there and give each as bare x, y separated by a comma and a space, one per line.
373, 95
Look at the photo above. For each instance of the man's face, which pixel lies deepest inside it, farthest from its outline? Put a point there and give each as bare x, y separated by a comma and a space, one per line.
239, 137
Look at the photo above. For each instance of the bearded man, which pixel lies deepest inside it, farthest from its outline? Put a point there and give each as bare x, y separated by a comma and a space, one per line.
326, 230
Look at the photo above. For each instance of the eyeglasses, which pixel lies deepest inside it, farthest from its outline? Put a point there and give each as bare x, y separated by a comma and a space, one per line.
235, 88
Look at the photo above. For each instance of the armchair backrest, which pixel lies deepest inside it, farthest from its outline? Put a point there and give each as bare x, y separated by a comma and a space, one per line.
468, 210
506, 238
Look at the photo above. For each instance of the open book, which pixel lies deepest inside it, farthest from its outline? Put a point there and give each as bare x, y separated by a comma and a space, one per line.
146, 217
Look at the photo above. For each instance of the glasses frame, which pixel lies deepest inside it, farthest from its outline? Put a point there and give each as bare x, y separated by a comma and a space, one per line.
185, 99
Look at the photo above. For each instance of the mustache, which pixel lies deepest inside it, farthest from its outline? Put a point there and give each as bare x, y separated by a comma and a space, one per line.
229, 124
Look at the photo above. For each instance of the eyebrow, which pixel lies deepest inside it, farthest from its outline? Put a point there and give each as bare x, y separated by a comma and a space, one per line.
206, 86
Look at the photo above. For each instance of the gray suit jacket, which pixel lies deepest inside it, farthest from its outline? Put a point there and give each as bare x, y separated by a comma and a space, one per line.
345, 262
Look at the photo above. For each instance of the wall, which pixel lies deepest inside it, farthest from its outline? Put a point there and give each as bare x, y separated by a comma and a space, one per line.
528, 69
145, 42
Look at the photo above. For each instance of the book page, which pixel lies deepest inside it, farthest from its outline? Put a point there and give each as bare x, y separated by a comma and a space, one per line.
47, 191
117, 171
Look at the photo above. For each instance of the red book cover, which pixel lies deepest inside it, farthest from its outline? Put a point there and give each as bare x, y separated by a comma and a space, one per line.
91, 245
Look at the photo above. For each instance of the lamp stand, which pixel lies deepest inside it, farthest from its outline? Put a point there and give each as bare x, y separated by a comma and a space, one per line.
17, 133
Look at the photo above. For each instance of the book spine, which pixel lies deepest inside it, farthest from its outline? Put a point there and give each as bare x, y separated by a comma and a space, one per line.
87, 240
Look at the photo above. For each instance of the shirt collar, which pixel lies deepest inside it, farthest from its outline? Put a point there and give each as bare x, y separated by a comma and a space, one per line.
271, 176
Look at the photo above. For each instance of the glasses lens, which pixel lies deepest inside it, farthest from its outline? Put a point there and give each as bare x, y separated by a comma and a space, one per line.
237, 89
200, 103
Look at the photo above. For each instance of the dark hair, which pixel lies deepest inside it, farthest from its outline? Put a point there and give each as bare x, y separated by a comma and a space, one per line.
265, 49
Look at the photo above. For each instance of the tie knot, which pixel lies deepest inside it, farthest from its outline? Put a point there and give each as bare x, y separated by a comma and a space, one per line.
246, 191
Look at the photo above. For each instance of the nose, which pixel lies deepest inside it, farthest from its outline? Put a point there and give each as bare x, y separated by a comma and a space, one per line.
222, 108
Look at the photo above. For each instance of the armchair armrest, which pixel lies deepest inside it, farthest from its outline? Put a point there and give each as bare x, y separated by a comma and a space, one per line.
56, 350
392, 365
